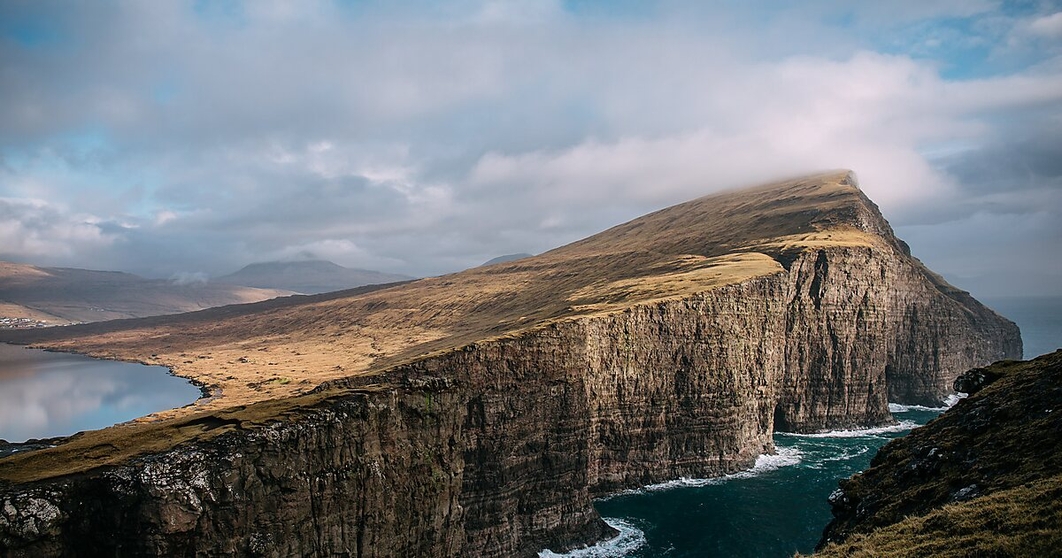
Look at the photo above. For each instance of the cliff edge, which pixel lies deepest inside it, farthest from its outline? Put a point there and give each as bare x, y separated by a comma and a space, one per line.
983, 479
479, 413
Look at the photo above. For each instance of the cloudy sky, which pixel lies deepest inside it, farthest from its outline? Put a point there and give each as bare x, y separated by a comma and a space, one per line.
168, 138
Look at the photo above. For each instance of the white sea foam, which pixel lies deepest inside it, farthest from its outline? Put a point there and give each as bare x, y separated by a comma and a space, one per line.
954, 398
847, 454
783, 457
903, 425
948, 403
900, 408
630, 538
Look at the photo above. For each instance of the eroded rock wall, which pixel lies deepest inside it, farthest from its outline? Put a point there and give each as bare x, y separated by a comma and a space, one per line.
373, 474
497, 449
866, 326
684, 387
836, 340
940, 332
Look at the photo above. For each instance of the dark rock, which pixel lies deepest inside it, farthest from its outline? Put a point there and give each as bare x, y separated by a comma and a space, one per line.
966, 493
974, 380
998, 440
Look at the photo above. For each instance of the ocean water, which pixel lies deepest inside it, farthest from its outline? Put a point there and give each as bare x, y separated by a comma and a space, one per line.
1038, 317
779, 507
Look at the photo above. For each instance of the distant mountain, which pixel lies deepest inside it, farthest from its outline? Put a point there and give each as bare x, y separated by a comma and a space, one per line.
507, 258
307, 277
54, 295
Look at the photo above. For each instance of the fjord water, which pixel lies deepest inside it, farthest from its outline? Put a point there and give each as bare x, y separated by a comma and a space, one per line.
44, 394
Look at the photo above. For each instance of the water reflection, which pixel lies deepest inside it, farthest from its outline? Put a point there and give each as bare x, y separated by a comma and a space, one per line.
43, 395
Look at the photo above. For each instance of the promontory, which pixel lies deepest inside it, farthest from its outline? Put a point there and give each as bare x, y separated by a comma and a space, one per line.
479, 413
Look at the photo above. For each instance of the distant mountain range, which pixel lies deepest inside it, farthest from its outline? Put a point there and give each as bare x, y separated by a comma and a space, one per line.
507, 258
307, 276
31, 295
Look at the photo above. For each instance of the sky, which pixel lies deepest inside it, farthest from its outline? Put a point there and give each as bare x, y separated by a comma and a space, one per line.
189, 138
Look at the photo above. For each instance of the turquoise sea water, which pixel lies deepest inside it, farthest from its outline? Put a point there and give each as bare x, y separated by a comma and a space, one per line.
776, 509
780, 506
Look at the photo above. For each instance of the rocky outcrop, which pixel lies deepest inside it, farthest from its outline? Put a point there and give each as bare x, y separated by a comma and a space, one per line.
974, 380
497, 446
983, 479
372, 474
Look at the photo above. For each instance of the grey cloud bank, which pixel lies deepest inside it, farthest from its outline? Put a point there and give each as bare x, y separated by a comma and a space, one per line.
175, 138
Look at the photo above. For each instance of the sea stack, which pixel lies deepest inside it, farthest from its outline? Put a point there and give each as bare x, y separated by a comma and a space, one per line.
478, 413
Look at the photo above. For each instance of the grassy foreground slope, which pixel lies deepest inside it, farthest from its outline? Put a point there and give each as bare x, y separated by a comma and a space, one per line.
983, 479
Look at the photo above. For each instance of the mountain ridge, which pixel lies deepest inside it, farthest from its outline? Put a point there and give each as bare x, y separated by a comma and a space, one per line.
307, 276
506, 258
478, 413
63, 295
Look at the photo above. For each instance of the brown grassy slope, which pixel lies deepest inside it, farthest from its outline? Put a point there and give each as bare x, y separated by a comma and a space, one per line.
66, 295
983, 479
282, 349
1018, 522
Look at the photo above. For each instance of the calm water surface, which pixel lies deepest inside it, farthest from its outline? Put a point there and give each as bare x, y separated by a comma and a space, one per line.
43, 395
1038, 317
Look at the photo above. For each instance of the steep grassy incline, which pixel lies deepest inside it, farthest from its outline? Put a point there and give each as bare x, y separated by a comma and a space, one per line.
983, 479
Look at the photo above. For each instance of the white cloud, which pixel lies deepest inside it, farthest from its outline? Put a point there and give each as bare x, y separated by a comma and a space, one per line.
870, 113
31, 228
423, 139
164, 216
1049, 26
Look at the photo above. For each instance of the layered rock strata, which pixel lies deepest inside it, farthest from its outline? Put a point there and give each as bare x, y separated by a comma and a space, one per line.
495, 445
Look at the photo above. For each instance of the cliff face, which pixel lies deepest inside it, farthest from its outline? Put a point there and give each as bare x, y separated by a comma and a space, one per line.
495, 446
983, 479
372, 474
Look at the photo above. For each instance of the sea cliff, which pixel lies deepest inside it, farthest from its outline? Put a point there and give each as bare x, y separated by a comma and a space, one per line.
673, 345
